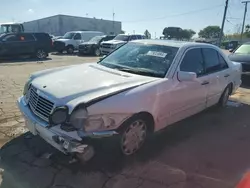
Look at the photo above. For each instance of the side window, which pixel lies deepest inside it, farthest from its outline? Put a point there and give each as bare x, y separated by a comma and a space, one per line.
139, 37
133, 37
110, 38
211, 60
223, 63
11, 38
26, 37
77, 36
193, 62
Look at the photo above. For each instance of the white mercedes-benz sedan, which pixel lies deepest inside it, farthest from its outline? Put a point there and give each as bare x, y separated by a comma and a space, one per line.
138, 89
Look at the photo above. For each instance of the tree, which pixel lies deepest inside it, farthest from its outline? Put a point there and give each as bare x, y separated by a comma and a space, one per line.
122, 32
210, 32
147, 34
172, 32
187, 34
178, 33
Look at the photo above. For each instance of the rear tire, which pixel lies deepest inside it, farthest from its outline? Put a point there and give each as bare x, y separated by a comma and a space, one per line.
41, 54
225, 96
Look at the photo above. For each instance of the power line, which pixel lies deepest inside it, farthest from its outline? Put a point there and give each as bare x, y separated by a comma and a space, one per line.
175, 15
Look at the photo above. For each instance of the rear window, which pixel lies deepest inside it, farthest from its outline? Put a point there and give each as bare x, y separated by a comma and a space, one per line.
42, 36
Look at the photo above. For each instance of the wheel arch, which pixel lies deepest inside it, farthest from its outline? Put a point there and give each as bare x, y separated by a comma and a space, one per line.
148, 117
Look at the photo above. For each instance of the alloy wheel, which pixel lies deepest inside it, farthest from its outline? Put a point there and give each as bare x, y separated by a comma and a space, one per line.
134, 137
40, 54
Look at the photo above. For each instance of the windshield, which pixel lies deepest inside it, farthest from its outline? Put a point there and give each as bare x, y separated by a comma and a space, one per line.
122, 37
3, 29
243, 49
137, 58
10, 29
68, 35
96, 39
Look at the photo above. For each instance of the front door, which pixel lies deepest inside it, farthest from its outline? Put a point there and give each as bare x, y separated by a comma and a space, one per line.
189, 97
77, 40
10, 45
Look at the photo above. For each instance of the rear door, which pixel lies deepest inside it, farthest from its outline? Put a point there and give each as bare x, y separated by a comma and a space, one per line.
28, 43
218, 72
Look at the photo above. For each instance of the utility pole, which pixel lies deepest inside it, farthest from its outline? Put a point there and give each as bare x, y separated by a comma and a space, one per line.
244, 19
113, 22
223, 23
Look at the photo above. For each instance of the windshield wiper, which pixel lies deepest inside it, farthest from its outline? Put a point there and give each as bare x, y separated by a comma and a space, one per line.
139, 71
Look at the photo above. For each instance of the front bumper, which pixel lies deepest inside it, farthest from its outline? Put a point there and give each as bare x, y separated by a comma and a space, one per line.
85, 49
66, 142
106, 51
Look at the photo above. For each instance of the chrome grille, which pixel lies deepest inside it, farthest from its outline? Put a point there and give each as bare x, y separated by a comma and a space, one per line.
106, 45
39, 105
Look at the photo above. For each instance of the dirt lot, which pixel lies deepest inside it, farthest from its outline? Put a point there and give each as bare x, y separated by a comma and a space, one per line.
208, 150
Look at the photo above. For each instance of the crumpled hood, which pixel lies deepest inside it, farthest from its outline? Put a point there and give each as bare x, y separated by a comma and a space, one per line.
85, 81
241, 58
114, 42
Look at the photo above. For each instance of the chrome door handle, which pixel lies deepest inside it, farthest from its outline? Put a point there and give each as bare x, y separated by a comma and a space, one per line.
204, 83
227, 75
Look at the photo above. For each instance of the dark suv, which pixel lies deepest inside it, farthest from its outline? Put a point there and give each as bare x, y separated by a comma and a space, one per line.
93, 45
17, 44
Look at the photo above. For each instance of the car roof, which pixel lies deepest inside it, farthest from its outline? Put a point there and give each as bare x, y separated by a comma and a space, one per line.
172, 43
131, 34
85, 32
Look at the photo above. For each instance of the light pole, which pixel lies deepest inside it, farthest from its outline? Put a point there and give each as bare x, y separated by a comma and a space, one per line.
244, 19
223, 23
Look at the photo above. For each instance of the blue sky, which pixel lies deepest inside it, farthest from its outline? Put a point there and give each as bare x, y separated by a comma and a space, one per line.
136, 15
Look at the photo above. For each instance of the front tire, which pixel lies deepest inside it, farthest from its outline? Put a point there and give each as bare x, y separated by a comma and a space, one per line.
133, 135
97, 52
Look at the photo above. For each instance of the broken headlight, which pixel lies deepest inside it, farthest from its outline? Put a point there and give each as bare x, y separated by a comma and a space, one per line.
78, 118
27, 85
59, 115
82, 121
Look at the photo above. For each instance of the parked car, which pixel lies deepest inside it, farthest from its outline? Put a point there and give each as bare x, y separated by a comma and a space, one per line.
242, 55
137, 90
93, 46
15, 44
71, 40
119, 40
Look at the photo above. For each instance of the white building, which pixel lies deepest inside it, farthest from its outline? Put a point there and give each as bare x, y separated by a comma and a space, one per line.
60, 24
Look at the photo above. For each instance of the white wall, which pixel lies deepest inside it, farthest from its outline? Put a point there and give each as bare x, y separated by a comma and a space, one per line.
48, 25
60, 24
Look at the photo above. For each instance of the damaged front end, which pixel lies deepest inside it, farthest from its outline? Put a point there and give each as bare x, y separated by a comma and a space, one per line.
71, 134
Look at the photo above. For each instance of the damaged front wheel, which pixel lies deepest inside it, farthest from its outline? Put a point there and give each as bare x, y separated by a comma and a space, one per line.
133, 135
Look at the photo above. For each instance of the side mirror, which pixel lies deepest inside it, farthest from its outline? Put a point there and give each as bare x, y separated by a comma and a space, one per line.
186, 76
231, 50
101, 58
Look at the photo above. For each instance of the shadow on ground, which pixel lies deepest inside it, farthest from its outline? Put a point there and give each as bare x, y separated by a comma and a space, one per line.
23, 60
212, 145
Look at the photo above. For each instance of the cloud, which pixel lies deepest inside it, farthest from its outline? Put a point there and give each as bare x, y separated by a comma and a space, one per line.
31, 11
